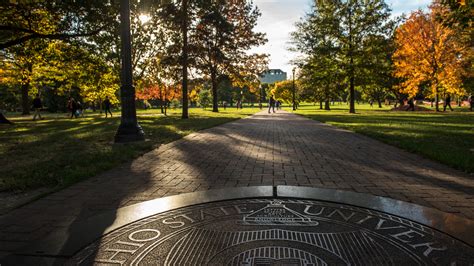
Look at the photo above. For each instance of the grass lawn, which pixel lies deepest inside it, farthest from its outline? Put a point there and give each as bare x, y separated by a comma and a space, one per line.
447, 137
59, 151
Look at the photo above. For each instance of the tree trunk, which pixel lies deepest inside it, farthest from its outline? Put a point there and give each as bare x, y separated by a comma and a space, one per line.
25, 101
215, 104
185, 114
352, 94
25, 88
4, 120
437, 99
351, 67
401, 102
321, 105
380, 102
100, 106
326, 105
166, 106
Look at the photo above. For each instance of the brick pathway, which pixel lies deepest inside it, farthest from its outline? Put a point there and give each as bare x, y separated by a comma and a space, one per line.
277, 149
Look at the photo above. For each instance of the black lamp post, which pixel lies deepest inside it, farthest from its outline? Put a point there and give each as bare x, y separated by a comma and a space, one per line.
294, 90
129, 129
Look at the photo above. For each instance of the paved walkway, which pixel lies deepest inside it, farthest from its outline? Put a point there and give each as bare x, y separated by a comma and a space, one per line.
276, 149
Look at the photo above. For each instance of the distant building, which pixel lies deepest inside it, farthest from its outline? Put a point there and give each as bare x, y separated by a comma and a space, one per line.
272, 75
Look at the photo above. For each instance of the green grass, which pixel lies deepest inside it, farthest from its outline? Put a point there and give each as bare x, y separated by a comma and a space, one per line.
447, 137
59, 151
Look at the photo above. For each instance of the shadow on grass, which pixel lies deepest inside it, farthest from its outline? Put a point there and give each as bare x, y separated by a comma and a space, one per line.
237, 154
104, 194
447, 138
62, 152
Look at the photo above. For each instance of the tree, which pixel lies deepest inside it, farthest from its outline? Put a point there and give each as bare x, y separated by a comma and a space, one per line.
321, 68
101, 84
460, 14
336, 31
178, 18
224, 33
184, 54
378, 80
360, 19
204, 98
32, 38
19, 64
428, 52
246, 76
459, 18
23, 21
157, 85
283, 91
57, 69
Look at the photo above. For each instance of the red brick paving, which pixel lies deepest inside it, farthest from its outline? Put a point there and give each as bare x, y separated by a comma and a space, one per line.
276, 149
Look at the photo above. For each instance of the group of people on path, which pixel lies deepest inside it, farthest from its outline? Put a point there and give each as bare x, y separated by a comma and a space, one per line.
74, 107
272, 103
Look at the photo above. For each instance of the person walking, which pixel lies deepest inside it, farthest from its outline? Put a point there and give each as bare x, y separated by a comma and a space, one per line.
447, 102
107, 105
37, 105
271, 104
72, 106
80, 109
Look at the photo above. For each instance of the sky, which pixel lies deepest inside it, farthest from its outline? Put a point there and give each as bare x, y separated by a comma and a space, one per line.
278, 19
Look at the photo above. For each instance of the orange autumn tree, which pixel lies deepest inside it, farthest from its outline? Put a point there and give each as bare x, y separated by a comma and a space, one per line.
428, 53
148, 92
162, 92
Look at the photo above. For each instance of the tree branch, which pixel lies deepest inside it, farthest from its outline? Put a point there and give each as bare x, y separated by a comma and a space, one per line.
16, 29
58, 36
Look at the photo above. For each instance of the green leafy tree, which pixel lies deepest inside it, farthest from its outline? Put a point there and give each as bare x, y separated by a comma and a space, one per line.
19, 64
337, 32
22, 21
178, 20
224, 33
282, 91
204, 98
377, 75
459, 17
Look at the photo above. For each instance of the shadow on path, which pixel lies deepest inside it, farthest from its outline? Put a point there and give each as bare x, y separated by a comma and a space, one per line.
264, 149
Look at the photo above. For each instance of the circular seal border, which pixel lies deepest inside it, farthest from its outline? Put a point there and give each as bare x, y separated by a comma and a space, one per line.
305, 218
65, 243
